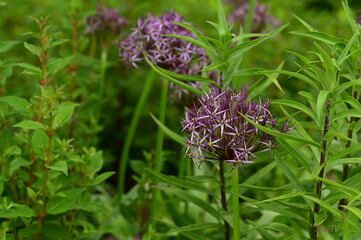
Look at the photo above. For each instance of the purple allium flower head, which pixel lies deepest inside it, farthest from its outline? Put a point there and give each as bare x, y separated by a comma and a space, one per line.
218, 132
170, 53
107, 20
260, 17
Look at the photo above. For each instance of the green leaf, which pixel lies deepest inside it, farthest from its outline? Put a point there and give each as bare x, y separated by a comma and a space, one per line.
176, 137
222, 21
17, 210
303, 133
326, 38
293, 152
281, 135
96, 162
195, 227
57, 64
175, 81
274, 208
289, 174
36, 50
196, 200
324, 205
101, 178
344, 54
31, 193
7, 45
59, 204
243, 47
354, 210
183, 77
18, 163
297, 75
344, 152
306, 25
346, 114
320, 105
320, 218
57, 43
181, 183
30, 69
40, 143
28, 124
61, 166
64, 114
21, 105
342, 161
296, 105
350, 191
257, 176
332, 133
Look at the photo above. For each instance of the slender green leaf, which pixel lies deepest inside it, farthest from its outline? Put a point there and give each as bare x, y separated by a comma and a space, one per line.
176, 137
332, 133
195, 227
40, 143
279, 134
64, 114
18, 163
101, 178
320, 105
59, 204
17, 210
293, 152
28, 124
19, 104
256, 177
306, 25
296, 105
179, 83
61, 166
344, 152
274, 208
181, 183
36, 50
196, 200
7, 45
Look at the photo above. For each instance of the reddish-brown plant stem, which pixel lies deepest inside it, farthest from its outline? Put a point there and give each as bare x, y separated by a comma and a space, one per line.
346, 167
224, 199
316, 208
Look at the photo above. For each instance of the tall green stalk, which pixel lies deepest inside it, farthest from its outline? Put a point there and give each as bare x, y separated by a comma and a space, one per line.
235, 207
131, 131
159, 142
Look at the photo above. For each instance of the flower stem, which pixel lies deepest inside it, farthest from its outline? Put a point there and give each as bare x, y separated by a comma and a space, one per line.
159, 144
235, 210
223, 198
316, 208
131, 132
344, 201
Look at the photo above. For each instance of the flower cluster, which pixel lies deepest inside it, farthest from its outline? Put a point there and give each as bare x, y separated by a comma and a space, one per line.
260, 17
107, 20
170, 53
218, 132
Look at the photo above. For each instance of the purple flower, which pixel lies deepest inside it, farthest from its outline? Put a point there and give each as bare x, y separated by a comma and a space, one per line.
260, 17
218, 132
358, 17
170, 53
107, 20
